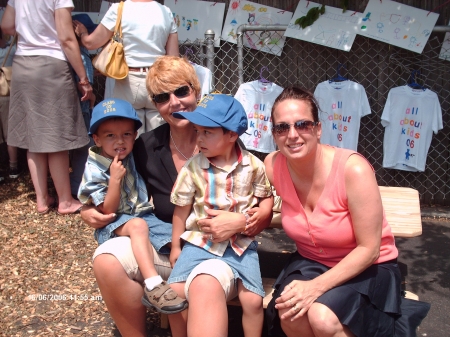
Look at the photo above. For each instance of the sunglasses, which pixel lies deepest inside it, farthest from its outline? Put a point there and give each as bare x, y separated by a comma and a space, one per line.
300, 126
180, 92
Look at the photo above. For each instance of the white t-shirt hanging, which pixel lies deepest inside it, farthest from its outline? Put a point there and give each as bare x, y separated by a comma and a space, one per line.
342, 104
257, 99
205, 77
410, 117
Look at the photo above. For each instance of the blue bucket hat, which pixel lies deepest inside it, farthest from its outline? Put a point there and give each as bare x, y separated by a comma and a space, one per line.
218, 110
86, 21
112, 108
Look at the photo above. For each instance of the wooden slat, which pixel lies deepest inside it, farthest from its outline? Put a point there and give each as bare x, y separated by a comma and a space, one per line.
402, 209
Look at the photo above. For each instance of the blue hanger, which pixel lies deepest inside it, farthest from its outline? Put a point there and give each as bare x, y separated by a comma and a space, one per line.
261, 77
412, 80
338, 77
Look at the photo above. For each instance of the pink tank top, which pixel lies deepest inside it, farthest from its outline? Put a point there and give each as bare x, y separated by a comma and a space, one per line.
327, 236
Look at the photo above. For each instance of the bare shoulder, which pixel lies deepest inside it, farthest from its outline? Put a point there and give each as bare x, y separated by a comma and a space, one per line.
360, 177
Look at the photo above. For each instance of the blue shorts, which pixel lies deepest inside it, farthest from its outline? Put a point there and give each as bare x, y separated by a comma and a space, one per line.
245, 267
160, 232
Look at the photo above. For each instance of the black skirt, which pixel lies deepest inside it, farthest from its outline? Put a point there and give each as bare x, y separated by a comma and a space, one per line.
370, 304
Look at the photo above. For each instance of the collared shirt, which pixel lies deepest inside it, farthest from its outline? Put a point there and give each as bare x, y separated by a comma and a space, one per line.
203, 184
94, 185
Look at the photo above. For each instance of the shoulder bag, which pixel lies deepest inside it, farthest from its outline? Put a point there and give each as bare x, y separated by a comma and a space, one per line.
111, 60
6, 72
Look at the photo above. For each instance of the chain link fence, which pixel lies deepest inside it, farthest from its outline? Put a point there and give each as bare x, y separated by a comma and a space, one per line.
377, 66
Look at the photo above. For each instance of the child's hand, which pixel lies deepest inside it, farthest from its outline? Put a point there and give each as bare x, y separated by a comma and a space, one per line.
251, 229
174, 254
117, 170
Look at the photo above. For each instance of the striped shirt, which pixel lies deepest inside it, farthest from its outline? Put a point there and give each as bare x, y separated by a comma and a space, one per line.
203, 184
94, 185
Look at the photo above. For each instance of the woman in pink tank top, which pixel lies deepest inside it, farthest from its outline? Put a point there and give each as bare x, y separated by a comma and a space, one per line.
344, 279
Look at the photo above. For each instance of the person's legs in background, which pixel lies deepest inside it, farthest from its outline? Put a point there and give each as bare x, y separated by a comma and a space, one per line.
14, 170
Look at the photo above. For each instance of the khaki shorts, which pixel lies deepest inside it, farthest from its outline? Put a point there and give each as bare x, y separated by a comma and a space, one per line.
120, 248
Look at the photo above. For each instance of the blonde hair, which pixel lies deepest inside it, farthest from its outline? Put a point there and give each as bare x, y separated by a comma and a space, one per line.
168, 72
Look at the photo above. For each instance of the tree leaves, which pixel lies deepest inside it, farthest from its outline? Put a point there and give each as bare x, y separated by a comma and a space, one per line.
310, 17
344, 5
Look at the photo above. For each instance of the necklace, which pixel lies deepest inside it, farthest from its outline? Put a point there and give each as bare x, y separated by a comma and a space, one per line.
176, 147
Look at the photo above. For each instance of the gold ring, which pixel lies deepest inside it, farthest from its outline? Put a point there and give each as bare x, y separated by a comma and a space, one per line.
295, 308
290, 302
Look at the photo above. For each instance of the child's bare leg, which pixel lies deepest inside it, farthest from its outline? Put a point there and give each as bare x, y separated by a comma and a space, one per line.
157, 293
252, 311
137, 230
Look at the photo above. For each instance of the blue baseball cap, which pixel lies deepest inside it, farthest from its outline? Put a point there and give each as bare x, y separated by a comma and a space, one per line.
86, 21
112, 108
218, 110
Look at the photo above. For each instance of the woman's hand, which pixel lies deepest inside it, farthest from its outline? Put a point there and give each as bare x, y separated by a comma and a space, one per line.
222, 225
94, 218
297, 297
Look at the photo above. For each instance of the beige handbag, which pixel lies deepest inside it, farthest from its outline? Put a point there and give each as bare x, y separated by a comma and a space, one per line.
6, 73
111, 60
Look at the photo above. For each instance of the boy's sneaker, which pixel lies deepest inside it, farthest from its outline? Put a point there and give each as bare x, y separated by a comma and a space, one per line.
14, 173
163, 299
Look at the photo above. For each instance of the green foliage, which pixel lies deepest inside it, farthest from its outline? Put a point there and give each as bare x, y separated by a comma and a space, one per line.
344, 5
310, 17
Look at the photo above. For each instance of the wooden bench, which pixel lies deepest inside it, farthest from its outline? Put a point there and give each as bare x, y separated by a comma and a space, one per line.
402, 209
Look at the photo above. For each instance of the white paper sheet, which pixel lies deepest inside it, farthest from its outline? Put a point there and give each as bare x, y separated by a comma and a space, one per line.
397, 24
194, 18
250, 13
332, 29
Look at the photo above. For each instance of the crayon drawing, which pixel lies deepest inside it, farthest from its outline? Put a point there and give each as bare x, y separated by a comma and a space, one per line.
397, 24
332, 29
194, 18
445, 50
253, 14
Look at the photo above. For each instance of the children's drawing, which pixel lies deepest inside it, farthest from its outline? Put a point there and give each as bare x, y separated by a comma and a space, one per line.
253, 14
397, 24
333, 29
194, 18
445, 49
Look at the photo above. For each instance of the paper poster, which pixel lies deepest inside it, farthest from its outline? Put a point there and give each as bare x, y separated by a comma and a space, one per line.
250, 13
332, 29
194, 18
445, 50
397, 24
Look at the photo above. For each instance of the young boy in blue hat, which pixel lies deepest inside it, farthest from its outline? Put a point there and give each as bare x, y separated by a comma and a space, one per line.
111, 182
222, 176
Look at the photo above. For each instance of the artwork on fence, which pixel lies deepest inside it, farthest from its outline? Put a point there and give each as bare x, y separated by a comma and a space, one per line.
445, 50
194, 18
397, 24
332, 29
253, 14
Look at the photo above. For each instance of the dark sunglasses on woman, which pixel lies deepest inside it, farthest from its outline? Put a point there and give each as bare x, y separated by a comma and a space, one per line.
180, 92
300, 126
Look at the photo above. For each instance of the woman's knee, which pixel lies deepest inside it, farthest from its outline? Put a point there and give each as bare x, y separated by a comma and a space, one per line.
323, 320
107, 268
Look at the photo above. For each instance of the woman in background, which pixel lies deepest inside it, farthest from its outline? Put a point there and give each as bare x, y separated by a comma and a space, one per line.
45, 116
149, 31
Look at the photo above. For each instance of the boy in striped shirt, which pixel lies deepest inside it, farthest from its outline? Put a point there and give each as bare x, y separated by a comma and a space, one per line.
223, 176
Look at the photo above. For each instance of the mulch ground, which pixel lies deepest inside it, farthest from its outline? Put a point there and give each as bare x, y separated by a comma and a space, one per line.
47, 285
